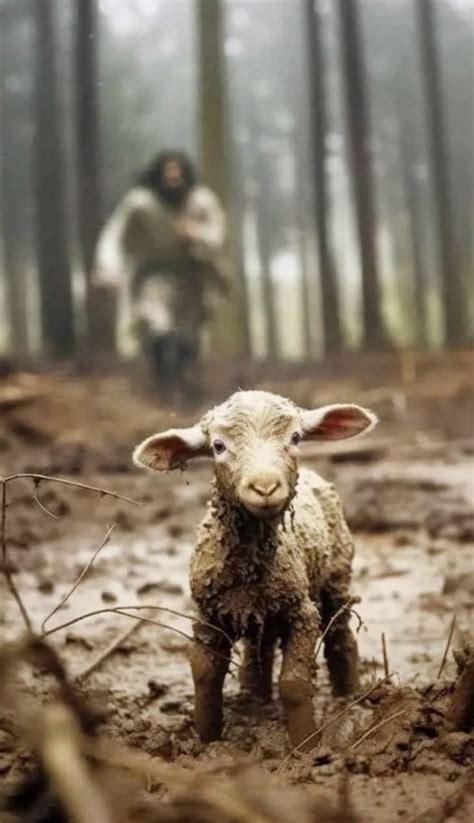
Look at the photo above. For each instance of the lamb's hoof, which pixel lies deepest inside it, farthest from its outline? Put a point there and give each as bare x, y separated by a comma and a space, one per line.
210, 732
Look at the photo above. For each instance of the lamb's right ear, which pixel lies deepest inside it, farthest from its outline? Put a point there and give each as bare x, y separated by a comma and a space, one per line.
171, 449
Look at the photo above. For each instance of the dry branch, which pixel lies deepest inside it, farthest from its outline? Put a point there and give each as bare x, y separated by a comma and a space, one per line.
107, 652
345, 607
79, 580
386, 668
377, 726
38, 478
121, 610
448, 644
328, 723
43, 508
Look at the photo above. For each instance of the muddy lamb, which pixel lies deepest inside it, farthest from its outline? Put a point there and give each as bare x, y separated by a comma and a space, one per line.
273, 555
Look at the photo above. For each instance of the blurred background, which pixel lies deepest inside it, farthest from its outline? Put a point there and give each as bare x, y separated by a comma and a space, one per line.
339, 136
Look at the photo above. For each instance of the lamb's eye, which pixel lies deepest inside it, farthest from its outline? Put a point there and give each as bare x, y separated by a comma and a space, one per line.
295, 438
218, 446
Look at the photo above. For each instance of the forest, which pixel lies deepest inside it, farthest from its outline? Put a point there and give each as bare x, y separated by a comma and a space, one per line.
345, 165
330, 143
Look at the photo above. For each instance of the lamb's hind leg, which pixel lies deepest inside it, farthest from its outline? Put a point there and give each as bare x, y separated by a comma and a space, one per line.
257, 667
210, 658
340, 647
297, 672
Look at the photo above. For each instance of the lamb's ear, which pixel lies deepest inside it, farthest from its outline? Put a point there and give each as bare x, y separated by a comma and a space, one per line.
171, 449
337, 422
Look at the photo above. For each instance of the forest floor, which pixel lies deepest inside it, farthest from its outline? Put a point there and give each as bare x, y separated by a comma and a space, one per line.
409, 498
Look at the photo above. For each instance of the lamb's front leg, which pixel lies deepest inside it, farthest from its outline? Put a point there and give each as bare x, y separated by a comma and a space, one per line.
210, 658
298, 669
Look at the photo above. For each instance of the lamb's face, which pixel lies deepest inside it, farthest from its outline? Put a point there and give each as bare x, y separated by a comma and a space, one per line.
254, 440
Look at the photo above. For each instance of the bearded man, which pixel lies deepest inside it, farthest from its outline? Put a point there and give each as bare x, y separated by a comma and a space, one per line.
166, 241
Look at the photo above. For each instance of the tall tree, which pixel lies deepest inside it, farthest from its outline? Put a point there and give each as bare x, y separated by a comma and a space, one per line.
453, 298
11, 210
318, 138
50, 201
263, 200
359, 137
232, 330
411, 194
100, 305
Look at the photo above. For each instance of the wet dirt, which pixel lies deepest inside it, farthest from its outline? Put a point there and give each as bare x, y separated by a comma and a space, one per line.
411, 510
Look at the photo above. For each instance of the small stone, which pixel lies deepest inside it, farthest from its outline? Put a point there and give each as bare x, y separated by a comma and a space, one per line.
156, 690
5, 763
46, 586
108, 597
7, 743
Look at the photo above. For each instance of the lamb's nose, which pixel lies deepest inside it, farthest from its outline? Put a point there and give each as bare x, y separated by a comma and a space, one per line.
265, 488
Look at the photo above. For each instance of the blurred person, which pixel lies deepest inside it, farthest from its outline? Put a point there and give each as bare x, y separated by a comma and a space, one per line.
165, 242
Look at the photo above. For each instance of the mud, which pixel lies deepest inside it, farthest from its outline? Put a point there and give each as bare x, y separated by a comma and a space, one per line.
411, 509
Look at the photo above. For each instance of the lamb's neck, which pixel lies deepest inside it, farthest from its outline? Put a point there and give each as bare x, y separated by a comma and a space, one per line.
247, 541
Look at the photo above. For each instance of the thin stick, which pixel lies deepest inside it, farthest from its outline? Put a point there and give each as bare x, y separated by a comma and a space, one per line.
64, 482
329, 723
5, 563
446, 650
79, 580
376, 727
43, 507
107, 652
120, 610
141, 607
343, 608
385, 656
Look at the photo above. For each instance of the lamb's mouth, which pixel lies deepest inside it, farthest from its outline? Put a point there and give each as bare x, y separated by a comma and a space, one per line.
264, 511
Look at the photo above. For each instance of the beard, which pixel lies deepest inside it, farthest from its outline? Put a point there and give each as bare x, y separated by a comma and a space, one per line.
174, 196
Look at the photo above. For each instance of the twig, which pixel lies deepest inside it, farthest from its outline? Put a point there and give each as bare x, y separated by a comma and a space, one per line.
5, 563
329, 723
385, 656
376, 727
446, 650
121, 610
343, 608
107, 652
141, 607
40, 477
43, 507
79, 580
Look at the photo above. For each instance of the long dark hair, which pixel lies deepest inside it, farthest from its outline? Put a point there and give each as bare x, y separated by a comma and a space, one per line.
152, 176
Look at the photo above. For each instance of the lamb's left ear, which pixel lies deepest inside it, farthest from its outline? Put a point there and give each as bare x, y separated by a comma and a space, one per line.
171, 449
337, 422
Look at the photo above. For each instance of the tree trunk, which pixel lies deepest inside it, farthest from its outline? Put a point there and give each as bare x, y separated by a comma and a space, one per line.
263, 201
318, 124
232, 331
454, 303
412, 205
100, 305
50, 203
359, 137
11, 211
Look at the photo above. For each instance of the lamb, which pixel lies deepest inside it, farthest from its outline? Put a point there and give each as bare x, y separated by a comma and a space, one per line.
273, 555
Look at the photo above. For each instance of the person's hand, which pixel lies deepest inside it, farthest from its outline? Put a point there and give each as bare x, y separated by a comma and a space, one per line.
183, 229
109, 282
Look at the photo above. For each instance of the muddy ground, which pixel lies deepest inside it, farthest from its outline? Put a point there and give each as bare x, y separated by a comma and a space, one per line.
409, 496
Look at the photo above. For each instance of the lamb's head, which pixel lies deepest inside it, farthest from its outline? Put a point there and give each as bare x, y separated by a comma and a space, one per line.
253, 438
